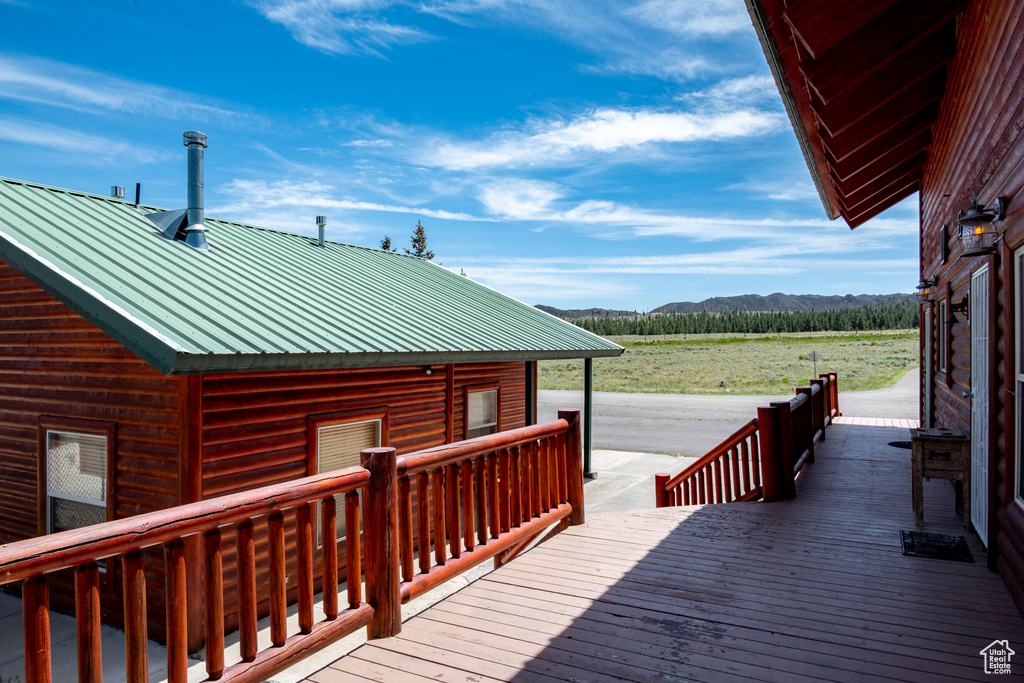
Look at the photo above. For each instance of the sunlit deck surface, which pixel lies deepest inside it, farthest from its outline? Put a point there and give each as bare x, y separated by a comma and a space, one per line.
809, 589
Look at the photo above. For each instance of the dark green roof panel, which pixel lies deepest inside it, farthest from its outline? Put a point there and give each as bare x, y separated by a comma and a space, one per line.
263, 299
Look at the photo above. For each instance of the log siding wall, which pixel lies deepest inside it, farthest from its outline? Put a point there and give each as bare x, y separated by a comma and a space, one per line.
53, 362
978, 151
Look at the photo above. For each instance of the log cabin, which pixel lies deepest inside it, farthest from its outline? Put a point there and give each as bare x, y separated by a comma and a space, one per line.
153, 358
892, 98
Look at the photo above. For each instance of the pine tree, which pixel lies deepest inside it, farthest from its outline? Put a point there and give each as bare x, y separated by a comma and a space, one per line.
419, 243
385, 244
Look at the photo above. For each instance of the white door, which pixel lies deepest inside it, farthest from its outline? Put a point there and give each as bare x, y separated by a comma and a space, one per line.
979, 402
927, 366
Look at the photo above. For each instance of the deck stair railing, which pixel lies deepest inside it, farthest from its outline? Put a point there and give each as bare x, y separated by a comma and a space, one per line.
478, 499
762, 459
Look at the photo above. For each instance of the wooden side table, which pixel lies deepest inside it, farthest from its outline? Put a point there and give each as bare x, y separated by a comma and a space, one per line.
942, 454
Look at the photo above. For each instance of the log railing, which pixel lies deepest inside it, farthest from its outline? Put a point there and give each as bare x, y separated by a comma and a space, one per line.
731, 471
477, 499
239, 514
763, 458
485, 498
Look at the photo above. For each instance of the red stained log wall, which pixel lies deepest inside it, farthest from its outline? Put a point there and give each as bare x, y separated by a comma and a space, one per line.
978, 151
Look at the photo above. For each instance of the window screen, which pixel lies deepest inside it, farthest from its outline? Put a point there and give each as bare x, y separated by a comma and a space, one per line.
482, 413
338, 447
76, 480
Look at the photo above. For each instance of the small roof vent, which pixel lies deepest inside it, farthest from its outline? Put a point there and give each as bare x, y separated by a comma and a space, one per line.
187, 225
321, 226
117, 191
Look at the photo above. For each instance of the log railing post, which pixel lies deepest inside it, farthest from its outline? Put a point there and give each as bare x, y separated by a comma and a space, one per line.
574, 464
135, 636
768, 439
833, 379
35, 600
820, 405
214, 588
87, 620
660, 494
383, 587
787, 438
176, 582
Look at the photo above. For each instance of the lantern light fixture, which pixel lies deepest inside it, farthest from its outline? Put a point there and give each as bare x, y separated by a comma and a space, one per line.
977, 233
925, 290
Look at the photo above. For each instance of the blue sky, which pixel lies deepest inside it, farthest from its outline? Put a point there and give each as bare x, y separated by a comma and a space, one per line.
571, 153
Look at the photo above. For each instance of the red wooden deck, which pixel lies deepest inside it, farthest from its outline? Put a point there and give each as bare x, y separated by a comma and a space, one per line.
808, 589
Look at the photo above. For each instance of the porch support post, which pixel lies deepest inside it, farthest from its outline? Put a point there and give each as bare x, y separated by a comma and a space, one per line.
588, 411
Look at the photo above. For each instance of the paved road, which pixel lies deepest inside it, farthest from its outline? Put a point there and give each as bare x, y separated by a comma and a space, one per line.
692, 425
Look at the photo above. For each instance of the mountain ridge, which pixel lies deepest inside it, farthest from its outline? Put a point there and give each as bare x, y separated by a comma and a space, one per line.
745, 302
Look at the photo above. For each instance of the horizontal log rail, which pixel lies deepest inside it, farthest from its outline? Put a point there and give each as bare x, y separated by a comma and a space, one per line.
762, 459
475, 500
478, 498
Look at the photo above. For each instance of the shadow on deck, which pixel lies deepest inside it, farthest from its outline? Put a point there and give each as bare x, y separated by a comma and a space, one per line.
811, 588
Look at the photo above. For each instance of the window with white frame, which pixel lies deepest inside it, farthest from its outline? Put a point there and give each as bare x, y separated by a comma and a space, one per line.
339, 441
481, 412
943, 335
76, 480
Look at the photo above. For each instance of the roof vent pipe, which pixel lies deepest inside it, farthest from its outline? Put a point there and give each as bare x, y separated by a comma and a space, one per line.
195, 230
117, 191
321, 224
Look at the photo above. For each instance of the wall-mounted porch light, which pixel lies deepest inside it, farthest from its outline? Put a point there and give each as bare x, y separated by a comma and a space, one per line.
961, 307
977, 234
925, 290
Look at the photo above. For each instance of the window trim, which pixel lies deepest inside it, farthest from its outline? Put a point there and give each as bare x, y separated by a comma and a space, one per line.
476, 389
68, 425
339, 417
943, 335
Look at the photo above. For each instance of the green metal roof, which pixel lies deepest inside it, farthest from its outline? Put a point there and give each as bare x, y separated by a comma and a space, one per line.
263, 299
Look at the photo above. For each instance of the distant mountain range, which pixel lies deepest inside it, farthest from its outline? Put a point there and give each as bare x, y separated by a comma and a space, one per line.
746, 302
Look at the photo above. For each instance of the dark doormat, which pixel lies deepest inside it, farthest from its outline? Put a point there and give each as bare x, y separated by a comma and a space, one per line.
936, 546
900, 444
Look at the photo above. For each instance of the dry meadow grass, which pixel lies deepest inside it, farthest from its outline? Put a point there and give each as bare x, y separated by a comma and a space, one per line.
720, 364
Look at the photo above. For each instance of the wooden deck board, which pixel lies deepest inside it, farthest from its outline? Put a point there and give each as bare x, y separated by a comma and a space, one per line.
810, 589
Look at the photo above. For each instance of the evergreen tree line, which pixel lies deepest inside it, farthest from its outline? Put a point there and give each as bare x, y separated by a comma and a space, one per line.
884, 317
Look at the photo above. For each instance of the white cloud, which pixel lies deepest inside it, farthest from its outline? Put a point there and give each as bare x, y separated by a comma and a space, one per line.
275, 204
70, 141
780, 189
52, 83
691, 18
520, 199
732, 93
601, 132
340, 26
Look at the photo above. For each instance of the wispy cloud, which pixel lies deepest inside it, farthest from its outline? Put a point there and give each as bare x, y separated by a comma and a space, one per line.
601, 132
755, 90
796, 188
693, 17
545, 202
53, 83
287, 205
598, 278
71, 141
341, 26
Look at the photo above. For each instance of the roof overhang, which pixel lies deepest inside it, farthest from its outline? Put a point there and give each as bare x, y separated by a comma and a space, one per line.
861, 83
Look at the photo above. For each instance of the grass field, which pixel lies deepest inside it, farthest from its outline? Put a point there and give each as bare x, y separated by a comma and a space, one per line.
713, 364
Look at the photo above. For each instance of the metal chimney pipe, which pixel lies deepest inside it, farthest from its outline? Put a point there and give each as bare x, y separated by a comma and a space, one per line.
195, 229
321, 224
